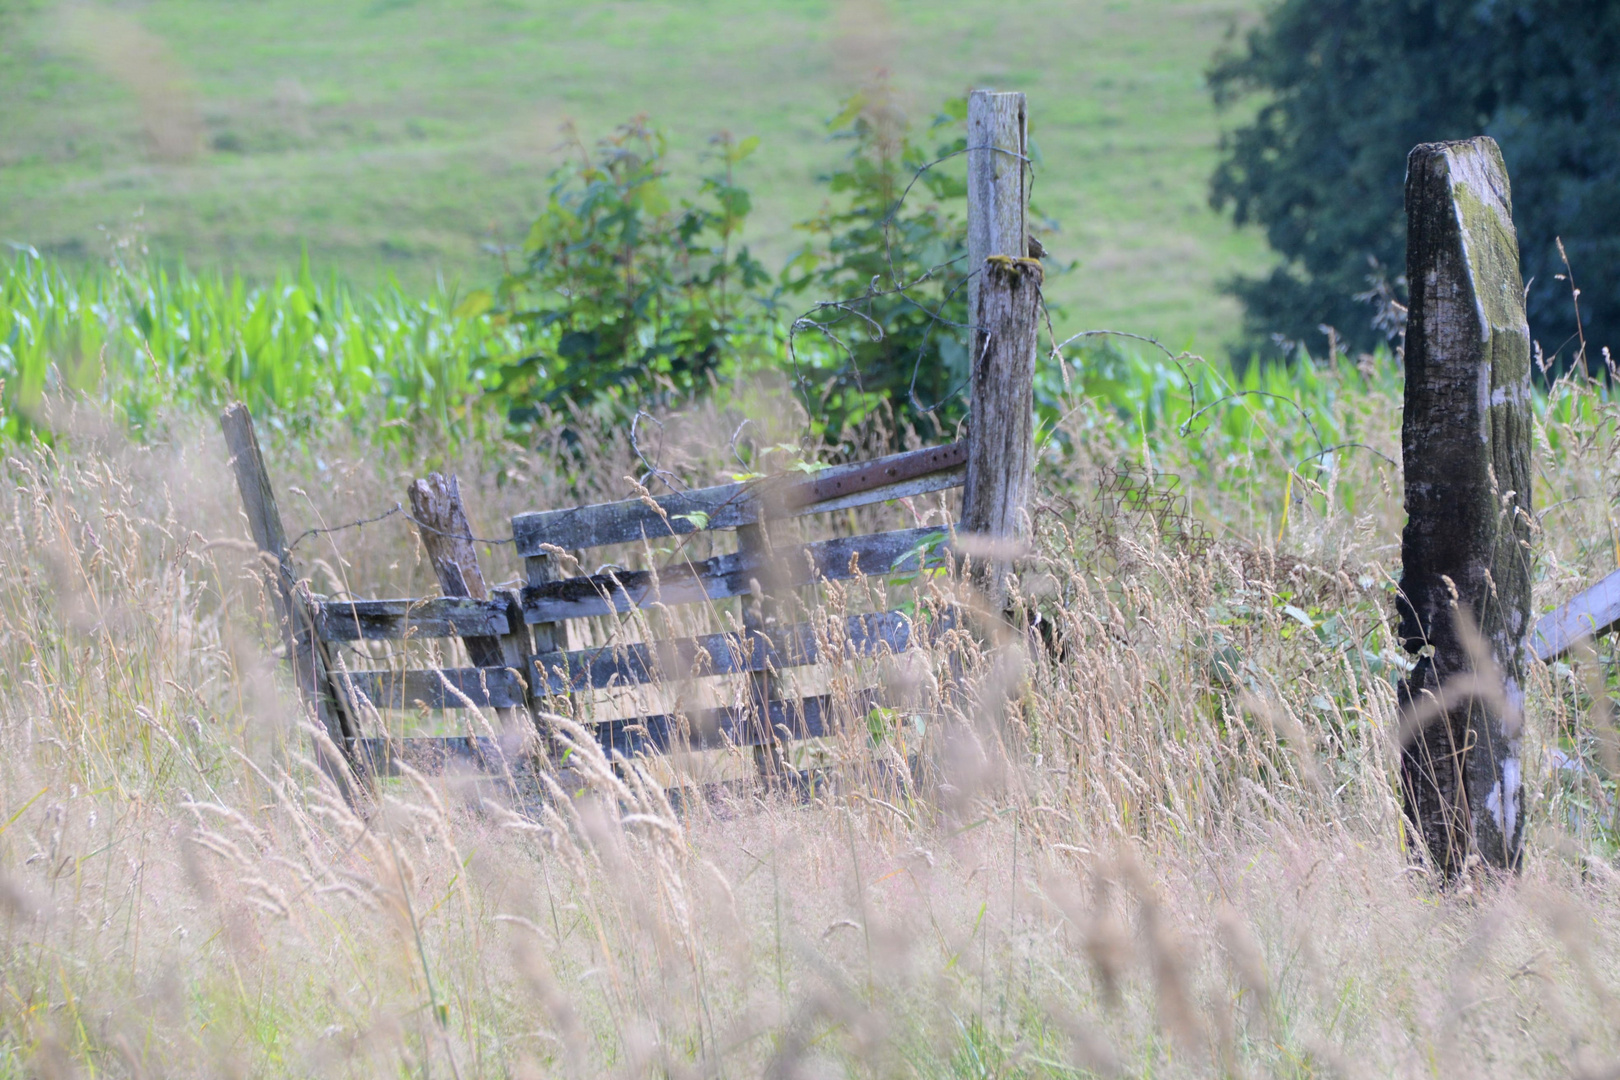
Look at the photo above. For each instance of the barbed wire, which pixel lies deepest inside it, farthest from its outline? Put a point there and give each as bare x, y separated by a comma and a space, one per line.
897, 287
1194, 411
400, 511
652, 470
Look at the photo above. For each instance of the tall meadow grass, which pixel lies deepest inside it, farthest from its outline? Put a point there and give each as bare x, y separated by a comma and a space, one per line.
1159, 835
1156, 835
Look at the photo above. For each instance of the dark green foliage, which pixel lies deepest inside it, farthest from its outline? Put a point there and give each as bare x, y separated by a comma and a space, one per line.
1559, 128
628, 296
1352, 85
885, 268
630, 299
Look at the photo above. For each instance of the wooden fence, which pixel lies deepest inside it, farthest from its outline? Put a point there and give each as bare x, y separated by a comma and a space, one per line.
516, 640
1464, 601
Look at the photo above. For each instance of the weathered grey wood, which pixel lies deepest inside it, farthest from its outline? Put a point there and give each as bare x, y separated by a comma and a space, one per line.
710, 729
905, 489
505, 755
731, 506
777, 648
517, 646
1465, 442
723, 576
705, 729
1591, 613
759, 609
305, 653
440, 688
550, 631
383, 620
1001, 425
446, 535
1004, 301
997, 181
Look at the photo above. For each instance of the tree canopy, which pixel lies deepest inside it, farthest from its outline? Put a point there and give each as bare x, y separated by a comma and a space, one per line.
1346, 88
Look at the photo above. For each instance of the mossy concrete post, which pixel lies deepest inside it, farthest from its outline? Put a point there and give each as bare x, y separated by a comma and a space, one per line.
1465, 444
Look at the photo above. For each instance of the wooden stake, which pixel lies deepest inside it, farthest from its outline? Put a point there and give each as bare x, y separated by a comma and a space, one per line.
998, 181
441, 520
294, 611
1465, 443
1006, 307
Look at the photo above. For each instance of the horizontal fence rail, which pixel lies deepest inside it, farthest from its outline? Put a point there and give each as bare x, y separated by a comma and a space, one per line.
700, 729
436, 756
608, 666
730, 506
1589, 614
378, 620
714, 729
438, 688
725, 576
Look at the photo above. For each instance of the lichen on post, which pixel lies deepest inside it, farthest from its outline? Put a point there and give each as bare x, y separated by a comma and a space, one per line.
1465, 442
1005, 305
1001, 425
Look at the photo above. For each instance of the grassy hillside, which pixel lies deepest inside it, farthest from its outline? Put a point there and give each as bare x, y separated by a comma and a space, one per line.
398, 138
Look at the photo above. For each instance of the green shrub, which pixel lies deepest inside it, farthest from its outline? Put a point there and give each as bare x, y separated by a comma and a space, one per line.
885, 269
627, 295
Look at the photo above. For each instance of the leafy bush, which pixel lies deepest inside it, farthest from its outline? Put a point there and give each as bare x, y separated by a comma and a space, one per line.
886, 267
625, 294
629, 296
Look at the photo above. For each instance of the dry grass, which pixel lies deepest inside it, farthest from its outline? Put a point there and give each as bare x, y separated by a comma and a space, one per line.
1162, 840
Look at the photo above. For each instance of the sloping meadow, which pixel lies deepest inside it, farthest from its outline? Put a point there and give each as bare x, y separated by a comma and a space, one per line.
1158, 834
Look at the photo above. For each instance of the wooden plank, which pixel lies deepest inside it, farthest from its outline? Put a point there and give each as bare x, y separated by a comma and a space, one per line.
759, 610
732, 505
452, 754
705, 729
905, 489
542, 570
1590, 613
712, 729
486, 688
863, 477
717, 654
517, 646
724, 576
379, 620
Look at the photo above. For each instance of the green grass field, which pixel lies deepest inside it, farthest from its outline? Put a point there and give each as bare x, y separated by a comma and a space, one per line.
399, 138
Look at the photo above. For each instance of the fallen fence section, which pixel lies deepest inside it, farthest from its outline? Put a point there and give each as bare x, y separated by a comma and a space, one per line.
517, 640
530, 671
1589, 614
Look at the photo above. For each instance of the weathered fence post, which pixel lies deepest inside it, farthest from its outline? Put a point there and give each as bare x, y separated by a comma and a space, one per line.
1005, 298
1465, 444
759, 610
305, 654
441, 521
